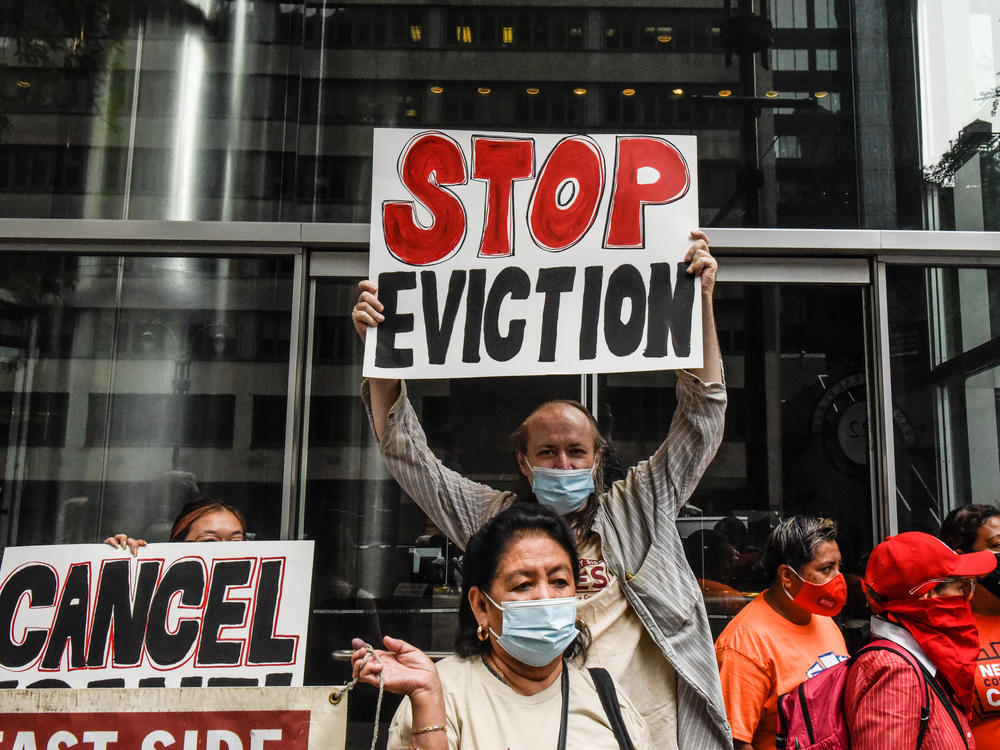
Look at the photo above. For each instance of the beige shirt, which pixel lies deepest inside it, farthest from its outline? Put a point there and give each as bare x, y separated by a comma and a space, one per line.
623, 647
484, 714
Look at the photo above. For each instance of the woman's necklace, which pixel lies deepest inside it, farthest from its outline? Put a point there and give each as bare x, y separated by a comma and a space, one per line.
495, 669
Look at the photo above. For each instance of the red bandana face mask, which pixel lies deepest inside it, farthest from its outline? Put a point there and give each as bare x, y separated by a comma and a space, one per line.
946, 631
825, 599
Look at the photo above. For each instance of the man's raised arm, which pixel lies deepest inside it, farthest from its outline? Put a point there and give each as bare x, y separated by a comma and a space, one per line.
367, 313
701, 263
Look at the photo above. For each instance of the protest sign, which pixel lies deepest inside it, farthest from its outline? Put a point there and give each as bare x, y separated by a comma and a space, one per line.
178, 615
298, 718
523, 254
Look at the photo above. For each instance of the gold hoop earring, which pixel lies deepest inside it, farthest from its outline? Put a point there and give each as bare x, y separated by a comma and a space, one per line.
482, 634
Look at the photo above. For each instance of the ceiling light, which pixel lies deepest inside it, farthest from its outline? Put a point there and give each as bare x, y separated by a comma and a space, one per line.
771, 94
532, 91
437, 89
678, 92
725, 92
580, 91
820, 94
484, 90
628, 92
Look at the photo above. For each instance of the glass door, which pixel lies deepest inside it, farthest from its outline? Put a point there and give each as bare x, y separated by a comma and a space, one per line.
794, 342
796, 441
944, 343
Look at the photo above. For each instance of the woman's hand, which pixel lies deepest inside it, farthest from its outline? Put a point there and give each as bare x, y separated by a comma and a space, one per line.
367, 313
125, 543
405, 669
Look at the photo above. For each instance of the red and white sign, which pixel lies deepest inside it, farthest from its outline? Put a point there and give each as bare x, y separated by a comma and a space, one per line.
178, 615
524, 254
173, 719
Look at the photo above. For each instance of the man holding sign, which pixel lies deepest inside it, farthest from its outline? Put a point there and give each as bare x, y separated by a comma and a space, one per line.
644, 610
537, 253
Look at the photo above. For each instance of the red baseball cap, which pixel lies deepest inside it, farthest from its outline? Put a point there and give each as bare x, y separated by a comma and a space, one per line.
913, 560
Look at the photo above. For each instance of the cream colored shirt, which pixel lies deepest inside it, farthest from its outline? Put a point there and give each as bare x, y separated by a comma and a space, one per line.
484, 714
623, 647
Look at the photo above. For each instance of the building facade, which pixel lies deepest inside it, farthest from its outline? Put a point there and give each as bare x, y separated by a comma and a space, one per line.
185, 188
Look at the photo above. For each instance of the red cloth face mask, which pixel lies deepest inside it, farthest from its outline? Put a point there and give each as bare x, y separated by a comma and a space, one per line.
825, 599
946, 631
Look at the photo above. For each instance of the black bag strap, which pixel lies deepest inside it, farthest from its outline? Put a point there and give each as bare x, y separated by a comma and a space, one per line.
565, 707
946, 701
609, 699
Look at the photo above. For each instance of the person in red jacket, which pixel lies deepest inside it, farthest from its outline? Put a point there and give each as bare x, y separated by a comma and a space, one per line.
969, 529
919, 590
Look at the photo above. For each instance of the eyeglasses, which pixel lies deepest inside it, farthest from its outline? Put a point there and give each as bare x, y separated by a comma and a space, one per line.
967, 586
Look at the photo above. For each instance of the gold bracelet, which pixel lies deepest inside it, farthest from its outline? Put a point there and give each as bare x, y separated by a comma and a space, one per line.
431, 728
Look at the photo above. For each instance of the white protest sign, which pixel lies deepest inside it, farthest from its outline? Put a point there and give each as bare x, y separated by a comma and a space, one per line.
178, 615
524, 254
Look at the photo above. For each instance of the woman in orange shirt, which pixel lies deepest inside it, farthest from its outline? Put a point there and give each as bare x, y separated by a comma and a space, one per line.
785, 635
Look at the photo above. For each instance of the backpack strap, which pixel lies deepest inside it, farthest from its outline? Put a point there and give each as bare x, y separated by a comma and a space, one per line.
946, 701
609, 699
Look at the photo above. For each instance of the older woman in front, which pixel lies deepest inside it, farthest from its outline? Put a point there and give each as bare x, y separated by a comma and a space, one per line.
516, 680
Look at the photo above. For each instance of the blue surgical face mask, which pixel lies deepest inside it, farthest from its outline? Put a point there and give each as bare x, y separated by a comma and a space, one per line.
562, 490
537, 631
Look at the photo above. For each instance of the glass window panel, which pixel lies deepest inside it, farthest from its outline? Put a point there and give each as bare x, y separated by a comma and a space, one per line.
381, 566
826, 14
788, 147
796, 436
960, 113
790, 14
944, 338
826, 59
139, 370
790, 59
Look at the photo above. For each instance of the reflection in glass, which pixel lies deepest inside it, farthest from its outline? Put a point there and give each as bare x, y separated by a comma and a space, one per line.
944, 329
141, 371
796, 439
960, 114
240, 110
381, 566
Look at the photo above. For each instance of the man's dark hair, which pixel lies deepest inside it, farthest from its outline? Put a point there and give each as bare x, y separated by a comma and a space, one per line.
794, 541
961, 527
482, 557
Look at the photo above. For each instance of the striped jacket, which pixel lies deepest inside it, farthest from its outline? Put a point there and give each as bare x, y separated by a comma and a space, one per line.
882, 701
636, 521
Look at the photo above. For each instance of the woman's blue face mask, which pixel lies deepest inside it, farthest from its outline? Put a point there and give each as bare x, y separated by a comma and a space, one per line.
536, 631
562, 490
